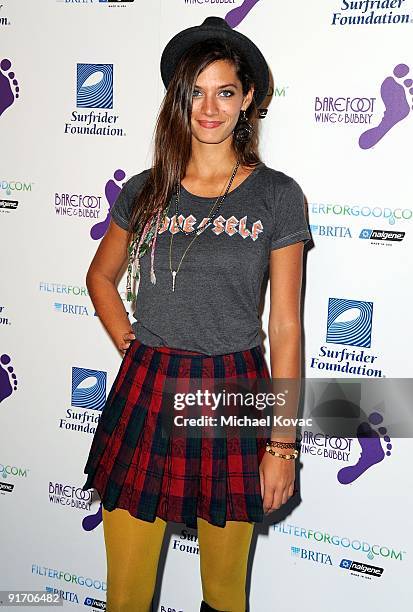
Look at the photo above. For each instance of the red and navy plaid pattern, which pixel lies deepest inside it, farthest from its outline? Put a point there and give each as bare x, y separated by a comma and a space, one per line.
133, 466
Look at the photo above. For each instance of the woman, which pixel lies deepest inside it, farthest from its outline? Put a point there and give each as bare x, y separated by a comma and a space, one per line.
196, 318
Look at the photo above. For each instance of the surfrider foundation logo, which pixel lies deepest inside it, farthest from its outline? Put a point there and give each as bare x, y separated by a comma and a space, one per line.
371, 13
94, 86
88, 388
349, 322
94, 90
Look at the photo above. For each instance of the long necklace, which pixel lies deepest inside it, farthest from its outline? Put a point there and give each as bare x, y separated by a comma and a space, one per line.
218, 203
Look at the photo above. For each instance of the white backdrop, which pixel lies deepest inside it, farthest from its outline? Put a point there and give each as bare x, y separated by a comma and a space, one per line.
333, 66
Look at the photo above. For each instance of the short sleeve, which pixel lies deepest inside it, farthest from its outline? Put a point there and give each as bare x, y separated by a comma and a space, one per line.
290, 216
122, 207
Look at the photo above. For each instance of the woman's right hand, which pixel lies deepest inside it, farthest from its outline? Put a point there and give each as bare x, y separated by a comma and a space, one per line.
125, 342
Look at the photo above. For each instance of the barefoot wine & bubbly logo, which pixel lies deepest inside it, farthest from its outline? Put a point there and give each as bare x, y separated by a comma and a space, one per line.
375, 117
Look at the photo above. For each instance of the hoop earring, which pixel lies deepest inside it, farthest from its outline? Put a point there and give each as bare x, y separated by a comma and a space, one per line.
243, 131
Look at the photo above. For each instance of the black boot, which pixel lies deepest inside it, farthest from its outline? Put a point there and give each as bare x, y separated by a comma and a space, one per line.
207, 608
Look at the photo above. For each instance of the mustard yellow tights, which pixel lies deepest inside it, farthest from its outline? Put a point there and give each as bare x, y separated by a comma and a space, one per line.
133, 548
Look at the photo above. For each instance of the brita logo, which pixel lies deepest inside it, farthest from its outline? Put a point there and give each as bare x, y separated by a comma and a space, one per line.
330, 231
311, 555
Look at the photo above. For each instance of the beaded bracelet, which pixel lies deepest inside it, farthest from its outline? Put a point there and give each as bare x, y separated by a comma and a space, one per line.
294, 455
281, 444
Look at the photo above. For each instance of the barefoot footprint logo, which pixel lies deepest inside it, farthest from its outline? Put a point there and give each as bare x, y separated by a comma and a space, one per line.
112, 190
396, 96
371, 449
8, 379
91, 521
238, 14
9, 86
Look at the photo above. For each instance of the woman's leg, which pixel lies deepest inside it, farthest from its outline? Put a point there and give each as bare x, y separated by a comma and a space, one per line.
132, 551
223, 559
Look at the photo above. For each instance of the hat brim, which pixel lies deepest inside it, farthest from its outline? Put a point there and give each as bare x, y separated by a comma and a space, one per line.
182, 41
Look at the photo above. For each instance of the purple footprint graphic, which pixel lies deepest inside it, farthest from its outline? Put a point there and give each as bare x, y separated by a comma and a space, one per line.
7, 386
371, 449
238, 14
7, 96
112, 190
91, 521
396, 106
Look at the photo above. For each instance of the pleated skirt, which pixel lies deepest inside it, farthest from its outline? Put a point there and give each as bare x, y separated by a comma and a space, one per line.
133, 465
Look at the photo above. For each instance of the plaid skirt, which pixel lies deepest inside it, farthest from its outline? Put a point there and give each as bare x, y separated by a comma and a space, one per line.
177, 478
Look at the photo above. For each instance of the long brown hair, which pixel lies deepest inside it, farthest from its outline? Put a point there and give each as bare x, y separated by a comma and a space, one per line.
172, 138
172, 141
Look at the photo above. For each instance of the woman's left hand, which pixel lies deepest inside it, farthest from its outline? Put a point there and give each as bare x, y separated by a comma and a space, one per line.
277, 476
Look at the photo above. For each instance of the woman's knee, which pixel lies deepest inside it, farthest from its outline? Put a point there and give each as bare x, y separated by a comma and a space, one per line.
128, 602
224, 559
132, 551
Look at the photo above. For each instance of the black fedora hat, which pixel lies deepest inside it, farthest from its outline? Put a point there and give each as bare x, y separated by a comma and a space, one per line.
216, 27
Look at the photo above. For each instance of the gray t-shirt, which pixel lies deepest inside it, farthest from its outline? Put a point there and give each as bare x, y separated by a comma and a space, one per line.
214, 308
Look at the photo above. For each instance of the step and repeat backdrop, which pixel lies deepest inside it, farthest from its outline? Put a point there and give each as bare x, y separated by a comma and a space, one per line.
80, 89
